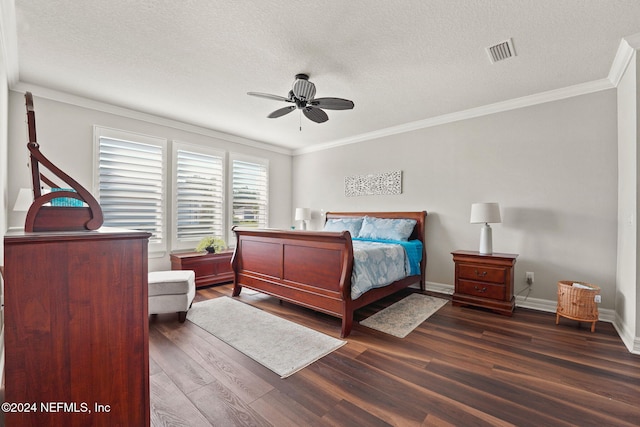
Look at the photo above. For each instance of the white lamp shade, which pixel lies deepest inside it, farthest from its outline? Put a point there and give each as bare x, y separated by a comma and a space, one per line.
24, 200
485, 213
303, 214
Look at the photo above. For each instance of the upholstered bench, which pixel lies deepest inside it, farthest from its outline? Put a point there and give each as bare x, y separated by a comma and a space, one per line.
171, 292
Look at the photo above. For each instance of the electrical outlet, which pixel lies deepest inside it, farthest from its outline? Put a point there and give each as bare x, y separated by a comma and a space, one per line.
529, 278
598, 298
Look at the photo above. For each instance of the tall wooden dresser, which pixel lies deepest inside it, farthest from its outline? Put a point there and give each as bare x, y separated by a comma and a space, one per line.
77, 348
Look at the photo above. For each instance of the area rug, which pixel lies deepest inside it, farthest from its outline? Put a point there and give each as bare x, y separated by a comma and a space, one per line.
402, 317
278, 344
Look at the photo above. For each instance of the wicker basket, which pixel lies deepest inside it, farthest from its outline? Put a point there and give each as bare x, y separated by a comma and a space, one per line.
577, 303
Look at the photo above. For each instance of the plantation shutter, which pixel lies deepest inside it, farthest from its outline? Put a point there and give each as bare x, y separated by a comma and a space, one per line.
250, 193
131, 186
199, 195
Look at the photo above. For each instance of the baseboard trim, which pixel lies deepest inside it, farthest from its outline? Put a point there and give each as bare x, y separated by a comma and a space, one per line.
632, 343
549, 306
440, 288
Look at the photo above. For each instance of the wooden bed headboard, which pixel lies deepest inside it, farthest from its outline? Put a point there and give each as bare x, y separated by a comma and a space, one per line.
418, 230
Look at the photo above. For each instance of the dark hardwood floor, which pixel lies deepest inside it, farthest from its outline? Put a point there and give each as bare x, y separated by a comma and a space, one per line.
462, 367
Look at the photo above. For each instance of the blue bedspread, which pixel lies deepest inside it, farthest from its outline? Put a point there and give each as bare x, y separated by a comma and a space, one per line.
377, 263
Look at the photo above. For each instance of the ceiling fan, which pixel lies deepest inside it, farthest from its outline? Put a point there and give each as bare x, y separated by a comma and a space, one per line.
302, 96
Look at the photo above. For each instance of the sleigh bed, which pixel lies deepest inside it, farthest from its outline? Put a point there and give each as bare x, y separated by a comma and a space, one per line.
314, 268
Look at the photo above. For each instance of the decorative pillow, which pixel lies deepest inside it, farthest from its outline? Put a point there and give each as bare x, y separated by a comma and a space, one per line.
386, 228
352, 225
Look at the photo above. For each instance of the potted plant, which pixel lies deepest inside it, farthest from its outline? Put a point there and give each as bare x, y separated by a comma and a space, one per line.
211, 244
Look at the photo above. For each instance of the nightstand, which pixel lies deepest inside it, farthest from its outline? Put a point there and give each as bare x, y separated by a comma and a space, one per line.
484, 280
210, 269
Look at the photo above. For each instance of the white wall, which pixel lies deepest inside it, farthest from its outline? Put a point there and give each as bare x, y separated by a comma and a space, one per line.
3, 193
65, 134
628, 208
4, 201
4, 85
552, 167
4, 93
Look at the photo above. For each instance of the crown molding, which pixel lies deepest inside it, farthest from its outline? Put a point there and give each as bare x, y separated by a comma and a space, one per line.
54, 95
626, 50
633, 41
9, 40
512, 104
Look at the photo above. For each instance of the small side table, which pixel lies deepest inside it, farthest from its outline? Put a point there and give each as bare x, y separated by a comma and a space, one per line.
484, 280
210, 269
578, 302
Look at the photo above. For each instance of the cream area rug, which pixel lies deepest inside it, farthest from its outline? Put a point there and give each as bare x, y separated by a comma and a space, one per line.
402, 317
278, 344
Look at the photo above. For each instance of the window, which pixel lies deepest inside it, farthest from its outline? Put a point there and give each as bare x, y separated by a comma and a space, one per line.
250, 192
211, 190
198, 207
130, 182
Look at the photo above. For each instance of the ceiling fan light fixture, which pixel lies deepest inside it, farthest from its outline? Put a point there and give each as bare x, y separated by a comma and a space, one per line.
303, 94
303, 89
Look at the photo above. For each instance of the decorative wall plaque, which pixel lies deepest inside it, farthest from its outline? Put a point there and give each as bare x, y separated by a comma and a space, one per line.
379, 184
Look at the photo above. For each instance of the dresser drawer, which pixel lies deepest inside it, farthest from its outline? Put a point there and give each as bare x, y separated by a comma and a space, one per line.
481, 289
482, 273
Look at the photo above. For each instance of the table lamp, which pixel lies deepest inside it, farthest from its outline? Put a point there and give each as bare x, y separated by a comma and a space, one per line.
485, 213
24, 200
303, 215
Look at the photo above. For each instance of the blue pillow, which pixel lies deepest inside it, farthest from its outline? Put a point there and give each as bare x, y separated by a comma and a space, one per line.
386, 228
352, 225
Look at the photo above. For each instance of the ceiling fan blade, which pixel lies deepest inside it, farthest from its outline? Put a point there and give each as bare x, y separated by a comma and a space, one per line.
303, 89
281, 112
269, 96
332, 103
315, 114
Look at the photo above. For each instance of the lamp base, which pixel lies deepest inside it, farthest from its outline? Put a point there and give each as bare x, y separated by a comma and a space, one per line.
486, 244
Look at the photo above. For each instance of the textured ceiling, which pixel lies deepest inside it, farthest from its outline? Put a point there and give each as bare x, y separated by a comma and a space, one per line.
400, 61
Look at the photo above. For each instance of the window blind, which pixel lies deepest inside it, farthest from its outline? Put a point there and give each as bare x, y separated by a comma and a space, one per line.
130, 176
199, 195
250, 193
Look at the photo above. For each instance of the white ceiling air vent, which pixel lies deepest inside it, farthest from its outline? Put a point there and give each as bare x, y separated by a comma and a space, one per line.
500, 51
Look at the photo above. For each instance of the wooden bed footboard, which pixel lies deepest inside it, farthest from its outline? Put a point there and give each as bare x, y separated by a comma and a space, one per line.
312, 268
308, 268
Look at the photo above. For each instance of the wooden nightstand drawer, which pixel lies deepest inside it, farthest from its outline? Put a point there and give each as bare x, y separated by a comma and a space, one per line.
482, 273
480, 289
484, 280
